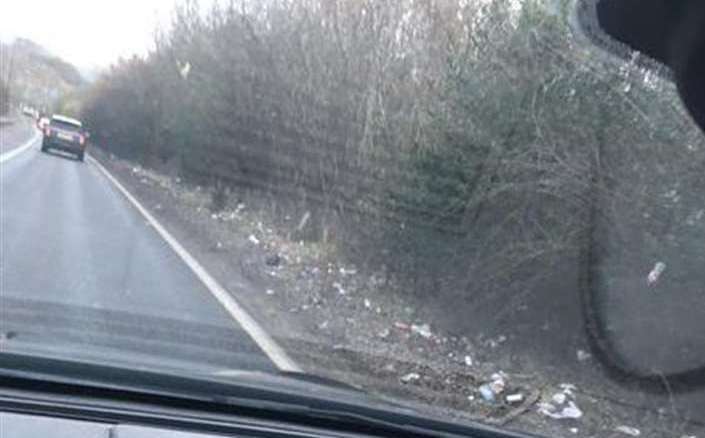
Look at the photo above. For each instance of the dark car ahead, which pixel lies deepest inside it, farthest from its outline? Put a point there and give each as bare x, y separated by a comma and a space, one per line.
65, 134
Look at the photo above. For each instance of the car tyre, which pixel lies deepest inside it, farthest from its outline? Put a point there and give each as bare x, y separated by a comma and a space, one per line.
44, 148
80, 156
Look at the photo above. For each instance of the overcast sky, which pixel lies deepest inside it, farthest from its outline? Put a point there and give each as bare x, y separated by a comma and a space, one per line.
88, 33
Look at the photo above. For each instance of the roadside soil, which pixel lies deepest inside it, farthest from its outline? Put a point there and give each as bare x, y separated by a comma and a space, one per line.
357, 326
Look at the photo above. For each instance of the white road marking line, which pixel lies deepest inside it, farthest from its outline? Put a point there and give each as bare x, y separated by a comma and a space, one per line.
18, 150
256, 332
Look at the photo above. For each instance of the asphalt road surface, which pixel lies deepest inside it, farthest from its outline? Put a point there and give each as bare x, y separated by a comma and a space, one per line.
83, 273
15, 134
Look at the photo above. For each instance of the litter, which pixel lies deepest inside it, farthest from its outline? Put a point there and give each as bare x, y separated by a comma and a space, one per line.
184, 69
411, 377
498, 383
423, 330
568, 388
559, 398
628, 430
487, 393
468, 361
583, 355
384, 334
514, 398
337, 286
254, 240
345, 272
401, 326
269, 292
655, 273
571, 411
367, 303
494, 343
573, 430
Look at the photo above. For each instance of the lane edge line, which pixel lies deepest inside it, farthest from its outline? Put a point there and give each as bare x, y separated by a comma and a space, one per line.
270, 347
7, 156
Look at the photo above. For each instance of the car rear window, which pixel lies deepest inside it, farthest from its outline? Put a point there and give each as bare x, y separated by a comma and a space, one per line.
66, 126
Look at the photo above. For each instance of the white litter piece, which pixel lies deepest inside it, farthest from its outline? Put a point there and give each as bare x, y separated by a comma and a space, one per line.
570, 411
337, 286
498, 383
384, 334
423, 330
628, 430
368, 304
559, 398
655, 273
494, 343
573, 430
411, 377
254, 240
514, 398
568, 388
468, 361
583, 355
344, 272
269, 292
184, 69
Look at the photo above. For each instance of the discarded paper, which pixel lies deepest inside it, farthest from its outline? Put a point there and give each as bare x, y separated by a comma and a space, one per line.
628, 430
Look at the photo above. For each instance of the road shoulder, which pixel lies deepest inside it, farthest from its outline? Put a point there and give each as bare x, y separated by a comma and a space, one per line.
341, 322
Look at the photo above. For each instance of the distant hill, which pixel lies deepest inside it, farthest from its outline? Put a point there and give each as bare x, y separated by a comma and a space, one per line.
34, 76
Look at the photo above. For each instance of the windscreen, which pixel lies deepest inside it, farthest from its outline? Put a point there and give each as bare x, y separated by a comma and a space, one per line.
461, 204
66, 126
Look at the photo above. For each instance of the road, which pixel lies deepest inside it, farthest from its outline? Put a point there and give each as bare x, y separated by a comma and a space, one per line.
82, 272
13, 135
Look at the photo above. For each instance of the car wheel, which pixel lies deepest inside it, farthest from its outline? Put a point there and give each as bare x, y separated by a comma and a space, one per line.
44, 148
79, 157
